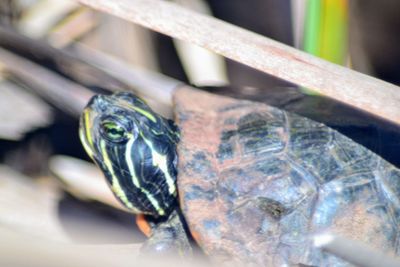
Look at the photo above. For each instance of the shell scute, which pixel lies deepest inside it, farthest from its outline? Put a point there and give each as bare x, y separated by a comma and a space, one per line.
278, 178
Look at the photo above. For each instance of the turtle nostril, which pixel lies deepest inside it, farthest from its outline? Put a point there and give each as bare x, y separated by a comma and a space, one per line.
98, 102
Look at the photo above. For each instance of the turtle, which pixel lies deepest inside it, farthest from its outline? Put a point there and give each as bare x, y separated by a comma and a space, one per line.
250, 182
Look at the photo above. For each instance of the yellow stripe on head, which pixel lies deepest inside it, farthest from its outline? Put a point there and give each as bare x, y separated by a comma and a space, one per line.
115, 186
87, 127
117, 189
129, 162
145, 113
84, 134
87, 148
135, 180
153, 201
160, 161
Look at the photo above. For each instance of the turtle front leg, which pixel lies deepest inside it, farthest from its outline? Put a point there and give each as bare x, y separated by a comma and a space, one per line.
168, 238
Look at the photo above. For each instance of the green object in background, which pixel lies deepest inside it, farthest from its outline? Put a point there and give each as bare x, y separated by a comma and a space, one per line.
312, 27
326, 29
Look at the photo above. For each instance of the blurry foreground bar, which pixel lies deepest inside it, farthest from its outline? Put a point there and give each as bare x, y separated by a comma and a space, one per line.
354, 252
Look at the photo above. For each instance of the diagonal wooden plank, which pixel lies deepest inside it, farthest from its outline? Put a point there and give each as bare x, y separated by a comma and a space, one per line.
361, 91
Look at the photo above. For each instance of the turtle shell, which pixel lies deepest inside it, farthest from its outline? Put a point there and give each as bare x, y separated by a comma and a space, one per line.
256, 182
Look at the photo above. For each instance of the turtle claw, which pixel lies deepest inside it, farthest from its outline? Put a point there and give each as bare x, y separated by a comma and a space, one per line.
168, 238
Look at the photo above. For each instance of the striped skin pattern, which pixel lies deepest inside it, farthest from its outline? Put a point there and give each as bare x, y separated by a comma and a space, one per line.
136, 150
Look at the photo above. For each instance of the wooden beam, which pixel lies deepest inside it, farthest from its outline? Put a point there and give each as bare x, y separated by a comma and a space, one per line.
361, 91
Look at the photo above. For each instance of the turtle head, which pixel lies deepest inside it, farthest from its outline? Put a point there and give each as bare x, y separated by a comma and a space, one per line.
136, 150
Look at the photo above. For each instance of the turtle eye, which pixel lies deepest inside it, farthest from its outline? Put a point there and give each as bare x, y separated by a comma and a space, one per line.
113, 131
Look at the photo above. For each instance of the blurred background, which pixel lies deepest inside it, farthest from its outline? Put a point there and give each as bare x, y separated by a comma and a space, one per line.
55, 54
